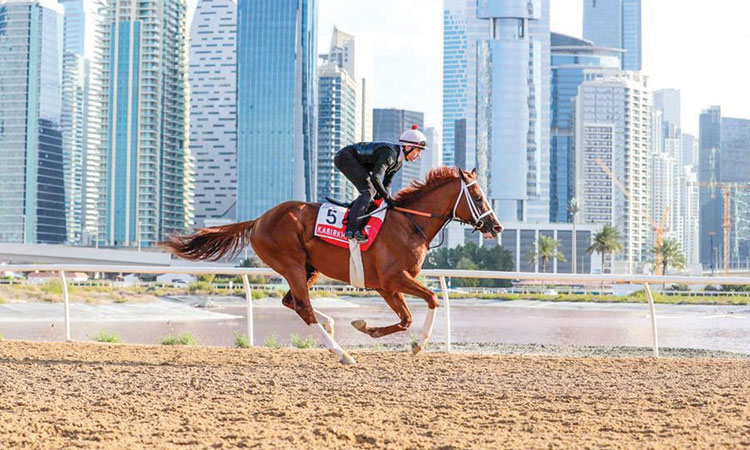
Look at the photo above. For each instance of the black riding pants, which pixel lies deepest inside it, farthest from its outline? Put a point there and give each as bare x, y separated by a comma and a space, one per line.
347, 163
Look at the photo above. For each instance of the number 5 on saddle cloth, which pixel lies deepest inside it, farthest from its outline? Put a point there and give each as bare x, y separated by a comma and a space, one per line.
330, 225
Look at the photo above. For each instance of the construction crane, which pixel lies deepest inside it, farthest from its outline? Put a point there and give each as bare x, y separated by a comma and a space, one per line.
726, 223
658, 227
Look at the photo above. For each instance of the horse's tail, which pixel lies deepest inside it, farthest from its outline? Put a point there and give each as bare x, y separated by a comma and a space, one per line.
212, 243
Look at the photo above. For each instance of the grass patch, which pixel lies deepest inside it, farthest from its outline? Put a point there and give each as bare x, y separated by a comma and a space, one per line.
1, 337
272, 341
201, 287
103, 336
183, 339
299, 342
241, 340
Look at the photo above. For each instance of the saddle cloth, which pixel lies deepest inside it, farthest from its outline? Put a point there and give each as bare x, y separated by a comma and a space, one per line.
330, 225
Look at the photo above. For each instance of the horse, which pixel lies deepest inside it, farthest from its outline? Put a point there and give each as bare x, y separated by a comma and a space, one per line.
283, 238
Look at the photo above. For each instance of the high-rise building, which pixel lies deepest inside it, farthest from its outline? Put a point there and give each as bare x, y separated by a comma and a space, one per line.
32, 203
461, 31
735, 159
613, 126
388, 124
513, 108
337, 127
709, 171
80, 121
617, 24
276, 103
213, 110
690, 150
431, 155
572, 59
688, 219
147, 163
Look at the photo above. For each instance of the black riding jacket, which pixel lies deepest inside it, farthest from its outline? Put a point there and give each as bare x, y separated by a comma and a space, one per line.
381, 159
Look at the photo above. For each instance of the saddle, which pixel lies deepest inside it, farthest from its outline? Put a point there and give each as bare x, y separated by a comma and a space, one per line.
332, 218
348, 205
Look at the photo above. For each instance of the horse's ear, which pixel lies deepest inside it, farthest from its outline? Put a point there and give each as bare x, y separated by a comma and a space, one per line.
474, 172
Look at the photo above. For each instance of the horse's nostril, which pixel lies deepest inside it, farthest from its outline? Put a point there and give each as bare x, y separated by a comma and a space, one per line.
497, 228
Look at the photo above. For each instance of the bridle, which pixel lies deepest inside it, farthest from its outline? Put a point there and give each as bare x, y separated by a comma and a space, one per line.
476, 216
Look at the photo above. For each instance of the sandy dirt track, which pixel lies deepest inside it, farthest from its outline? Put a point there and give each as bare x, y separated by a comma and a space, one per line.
126, 396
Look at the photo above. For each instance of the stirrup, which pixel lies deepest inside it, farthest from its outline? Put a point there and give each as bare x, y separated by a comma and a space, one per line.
356, 235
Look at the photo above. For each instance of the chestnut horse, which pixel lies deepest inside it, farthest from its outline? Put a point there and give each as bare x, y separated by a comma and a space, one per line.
283, 239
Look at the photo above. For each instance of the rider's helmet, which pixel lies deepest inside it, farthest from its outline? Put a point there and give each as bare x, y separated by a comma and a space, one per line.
413, 137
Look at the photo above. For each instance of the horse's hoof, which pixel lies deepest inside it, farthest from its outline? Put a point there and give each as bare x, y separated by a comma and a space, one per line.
360, 325
347, 360
416, 347
328, 326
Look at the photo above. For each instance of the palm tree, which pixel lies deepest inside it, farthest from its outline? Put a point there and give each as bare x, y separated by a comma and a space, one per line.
669, 253
546, 250
606, 241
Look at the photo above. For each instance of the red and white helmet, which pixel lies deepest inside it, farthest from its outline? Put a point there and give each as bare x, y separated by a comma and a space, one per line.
413, 137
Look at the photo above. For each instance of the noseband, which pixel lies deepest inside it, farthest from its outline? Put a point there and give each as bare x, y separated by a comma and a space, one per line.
477, 221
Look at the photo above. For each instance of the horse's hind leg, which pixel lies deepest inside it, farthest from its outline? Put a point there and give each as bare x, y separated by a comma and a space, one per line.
298, 285
290, 302
398, 304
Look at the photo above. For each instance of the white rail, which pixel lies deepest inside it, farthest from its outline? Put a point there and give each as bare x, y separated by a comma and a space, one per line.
441, 274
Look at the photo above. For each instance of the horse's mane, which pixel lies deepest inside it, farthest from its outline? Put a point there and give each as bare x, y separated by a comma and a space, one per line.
435, 178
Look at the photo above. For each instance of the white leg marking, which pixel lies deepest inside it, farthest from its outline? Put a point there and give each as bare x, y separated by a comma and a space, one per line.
331, 345
327, 321
429, 321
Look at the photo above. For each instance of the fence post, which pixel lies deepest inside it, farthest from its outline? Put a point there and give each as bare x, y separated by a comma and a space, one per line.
447, 302
653, 318
249, 301
66, 304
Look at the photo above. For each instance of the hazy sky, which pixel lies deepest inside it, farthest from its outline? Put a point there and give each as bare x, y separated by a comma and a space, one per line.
700, 47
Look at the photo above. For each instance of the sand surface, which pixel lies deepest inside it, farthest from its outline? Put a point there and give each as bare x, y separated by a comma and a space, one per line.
56, 395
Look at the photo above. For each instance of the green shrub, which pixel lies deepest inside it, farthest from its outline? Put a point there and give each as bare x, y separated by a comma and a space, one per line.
207, 277
52, 287
1, 337
241, 340
183, 339
272, 341
299, 342
111, 338
201, 286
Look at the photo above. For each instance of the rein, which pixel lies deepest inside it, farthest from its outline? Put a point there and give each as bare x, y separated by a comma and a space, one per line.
476, 222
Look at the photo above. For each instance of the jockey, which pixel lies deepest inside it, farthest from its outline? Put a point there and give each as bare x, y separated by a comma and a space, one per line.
370, 166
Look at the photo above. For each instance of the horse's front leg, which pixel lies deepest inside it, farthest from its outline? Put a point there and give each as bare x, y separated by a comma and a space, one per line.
409, 285
398, 304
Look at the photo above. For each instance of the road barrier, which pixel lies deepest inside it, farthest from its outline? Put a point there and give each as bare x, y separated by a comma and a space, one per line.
441, 274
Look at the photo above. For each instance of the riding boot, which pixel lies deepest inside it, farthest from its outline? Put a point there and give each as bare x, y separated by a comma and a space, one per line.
359, 207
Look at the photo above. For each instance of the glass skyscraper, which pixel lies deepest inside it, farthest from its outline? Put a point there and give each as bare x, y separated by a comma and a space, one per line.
276, 104
461, 31
148, 179
388, 124
513, 92
616, 24
213, 110
32, 196
339, 123
571, 57
709, 171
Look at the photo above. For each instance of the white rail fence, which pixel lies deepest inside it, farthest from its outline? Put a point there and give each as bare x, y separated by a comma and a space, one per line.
441, 274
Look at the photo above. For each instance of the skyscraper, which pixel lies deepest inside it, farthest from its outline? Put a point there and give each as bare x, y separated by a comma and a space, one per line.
32, 203
617, 24
431, 156
147, 164
388, 124
277, 95
461, 31
613, 126
572, 59
213, 110
513, 92
337, 127
75, 129
709, 171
